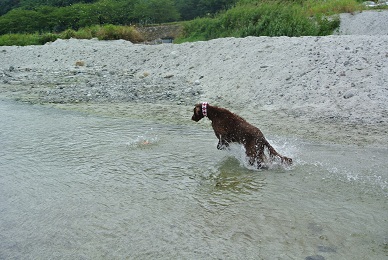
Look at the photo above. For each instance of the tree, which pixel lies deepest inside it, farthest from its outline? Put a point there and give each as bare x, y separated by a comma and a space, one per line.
29, 4
22, 21
7, 5
213, 6
190, 9
155, 11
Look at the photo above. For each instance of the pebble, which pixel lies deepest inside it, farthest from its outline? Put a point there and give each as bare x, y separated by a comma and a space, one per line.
348, 94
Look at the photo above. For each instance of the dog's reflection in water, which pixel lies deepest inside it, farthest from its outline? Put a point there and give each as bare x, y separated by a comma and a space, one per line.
233, 176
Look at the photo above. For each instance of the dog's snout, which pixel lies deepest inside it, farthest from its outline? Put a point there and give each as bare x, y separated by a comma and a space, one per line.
195, 118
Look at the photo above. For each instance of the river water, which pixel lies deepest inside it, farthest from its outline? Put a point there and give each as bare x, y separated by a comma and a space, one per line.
76, 185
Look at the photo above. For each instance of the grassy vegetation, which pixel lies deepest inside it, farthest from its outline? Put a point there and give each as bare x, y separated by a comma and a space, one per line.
332, 6
246, 18
271, 18
106, 32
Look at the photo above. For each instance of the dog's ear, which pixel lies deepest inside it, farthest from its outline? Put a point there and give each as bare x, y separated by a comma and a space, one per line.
197, 115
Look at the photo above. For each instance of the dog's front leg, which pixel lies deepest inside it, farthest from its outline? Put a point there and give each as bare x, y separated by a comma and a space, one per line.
222, 144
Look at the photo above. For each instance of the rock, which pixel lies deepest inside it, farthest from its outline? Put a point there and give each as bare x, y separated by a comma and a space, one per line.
315, 257
80, 63
348, 94
327, 249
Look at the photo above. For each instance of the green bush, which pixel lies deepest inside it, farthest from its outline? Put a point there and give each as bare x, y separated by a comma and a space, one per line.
114, 32
69, 33
20, 39
47, 37
84, 33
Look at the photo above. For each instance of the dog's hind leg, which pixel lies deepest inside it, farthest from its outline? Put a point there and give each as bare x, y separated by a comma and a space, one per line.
255, 154
251, 152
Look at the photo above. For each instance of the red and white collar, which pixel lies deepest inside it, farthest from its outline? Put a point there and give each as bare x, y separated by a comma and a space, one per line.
204, 108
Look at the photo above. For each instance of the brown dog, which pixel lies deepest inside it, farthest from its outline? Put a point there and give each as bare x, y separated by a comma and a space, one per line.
231, 128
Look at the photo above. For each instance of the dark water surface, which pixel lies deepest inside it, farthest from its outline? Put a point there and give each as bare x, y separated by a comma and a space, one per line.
81, 186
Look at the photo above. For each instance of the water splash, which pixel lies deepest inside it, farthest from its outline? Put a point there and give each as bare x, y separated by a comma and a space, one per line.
282, 146
366, 179
145, 140
357, 166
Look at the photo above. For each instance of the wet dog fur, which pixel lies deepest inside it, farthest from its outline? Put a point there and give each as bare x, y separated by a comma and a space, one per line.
231, 128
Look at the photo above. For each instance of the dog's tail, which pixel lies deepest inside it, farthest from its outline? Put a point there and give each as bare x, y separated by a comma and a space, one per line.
273, 153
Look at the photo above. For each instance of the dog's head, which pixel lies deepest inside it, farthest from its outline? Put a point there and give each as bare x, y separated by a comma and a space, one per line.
200, 111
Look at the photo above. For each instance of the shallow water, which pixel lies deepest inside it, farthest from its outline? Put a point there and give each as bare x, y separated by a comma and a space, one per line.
84, 186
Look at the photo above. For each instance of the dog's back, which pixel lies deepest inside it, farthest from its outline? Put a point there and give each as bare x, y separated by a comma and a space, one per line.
233, 127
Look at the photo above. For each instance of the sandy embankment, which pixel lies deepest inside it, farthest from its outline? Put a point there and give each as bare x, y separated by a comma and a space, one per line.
330, 88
